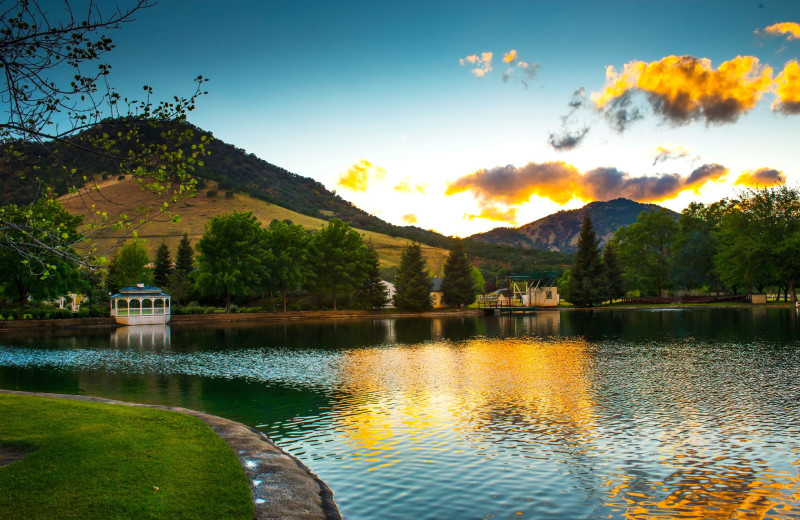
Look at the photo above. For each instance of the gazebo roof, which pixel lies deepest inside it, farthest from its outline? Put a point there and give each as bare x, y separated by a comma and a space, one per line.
140, 290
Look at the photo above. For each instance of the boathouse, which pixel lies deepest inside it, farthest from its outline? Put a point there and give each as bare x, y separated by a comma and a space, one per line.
140, 304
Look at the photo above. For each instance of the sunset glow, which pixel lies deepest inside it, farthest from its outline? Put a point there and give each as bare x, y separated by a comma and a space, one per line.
470, 118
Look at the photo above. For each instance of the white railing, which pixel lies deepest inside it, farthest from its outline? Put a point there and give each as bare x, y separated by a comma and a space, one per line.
142, 312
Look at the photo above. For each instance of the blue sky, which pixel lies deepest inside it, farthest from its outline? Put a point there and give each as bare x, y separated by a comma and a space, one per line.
318, 87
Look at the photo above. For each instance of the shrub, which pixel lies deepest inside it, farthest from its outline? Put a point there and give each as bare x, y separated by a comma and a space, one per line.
211, 193
60, 314
121, 178
228, 194
105, 176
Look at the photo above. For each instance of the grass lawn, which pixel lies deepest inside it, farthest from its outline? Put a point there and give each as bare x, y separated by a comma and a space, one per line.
93, 460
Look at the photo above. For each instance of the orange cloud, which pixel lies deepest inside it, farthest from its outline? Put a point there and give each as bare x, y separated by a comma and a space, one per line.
360, 175
787, 89
562, 182
508, 215
510, 56
790, 29
482, 64
405, 187
409, 218
681, 89
761, 177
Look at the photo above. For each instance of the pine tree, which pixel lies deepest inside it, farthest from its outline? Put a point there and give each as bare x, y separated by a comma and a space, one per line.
587, 285
458, 284
184, 259
162, 265
373, 294
413, 283
614, 282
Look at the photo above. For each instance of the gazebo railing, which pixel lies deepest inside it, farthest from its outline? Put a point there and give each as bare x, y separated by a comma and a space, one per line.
142, 312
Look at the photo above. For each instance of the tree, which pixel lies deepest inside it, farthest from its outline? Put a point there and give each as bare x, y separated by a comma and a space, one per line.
413, 282
162, 265
458, 284
372, 294
614, 282
587, 282
57, 98
129, 267
288, 265
696, 245
179, 286
645, 251
184, 258
339, 258
233, 257
19, 282
759, 237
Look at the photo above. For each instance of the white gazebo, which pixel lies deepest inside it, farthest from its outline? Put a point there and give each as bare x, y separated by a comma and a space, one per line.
140, 305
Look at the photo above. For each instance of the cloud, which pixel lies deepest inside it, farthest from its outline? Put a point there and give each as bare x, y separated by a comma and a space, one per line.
682, 89
359, 176
405, 186
409, 218
761, 177
567, 139
571, 134
510, 56
787, 89
481, 65
562, 182
670, 152
508, 215
790, 29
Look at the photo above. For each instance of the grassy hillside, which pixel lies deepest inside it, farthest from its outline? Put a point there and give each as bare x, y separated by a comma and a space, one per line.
116, 198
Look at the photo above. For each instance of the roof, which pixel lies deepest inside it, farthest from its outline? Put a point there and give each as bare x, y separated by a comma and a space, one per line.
140, 289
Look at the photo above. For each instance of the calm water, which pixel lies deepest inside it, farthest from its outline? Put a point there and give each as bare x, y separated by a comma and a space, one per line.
605, 414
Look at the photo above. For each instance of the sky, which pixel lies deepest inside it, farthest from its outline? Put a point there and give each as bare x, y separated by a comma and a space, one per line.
463, 116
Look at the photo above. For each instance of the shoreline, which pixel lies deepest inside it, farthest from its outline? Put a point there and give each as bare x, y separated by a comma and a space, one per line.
292, 316
281, 485
260, 317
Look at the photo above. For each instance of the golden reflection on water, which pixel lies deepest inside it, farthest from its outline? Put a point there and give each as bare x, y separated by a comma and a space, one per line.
482, 389
482, 396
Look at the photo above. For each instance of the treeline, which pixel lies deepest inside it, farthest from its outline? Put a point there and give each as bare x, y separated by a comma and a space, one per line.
237, 260
746, 244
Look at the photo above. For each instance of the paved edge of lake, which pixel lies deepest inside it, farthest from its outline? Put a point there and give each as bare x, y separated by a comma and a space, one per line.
281, 485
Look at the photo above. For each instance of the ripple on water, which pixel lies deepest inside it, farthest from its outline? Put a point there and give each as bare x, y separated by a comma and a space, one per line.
520, 427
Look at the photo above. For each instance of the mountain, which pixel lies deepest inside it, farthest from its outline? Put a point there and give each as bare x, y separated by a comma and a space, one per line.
559, 231
229, 172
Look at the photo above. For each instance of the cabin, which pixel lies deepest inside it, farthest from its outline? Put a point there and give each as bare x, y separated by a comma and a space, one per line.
437, 295
140, 304
536, 289
390, 292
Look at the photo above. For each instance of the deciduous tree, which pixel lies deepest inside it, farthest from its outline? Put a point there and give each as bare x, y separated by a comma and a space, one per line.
339, 258
56, 274
289, 263
129, 267
57, 98
233, 257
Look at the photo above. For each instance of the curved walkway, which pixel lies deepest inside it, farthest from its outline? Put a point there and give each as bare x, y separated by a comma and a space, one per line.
281, 485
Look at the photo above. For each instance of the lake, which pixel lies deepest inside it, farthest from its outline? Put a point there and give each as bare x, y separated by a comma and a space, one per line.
691, 413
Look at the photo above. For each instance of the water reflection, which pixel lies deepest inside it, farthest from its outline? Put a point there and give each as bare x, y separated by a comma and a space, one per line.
142, 337
599, 414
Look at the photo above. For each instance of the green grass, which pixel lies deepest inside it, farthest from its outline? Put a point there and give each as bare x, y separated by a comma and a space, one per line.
95, 460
